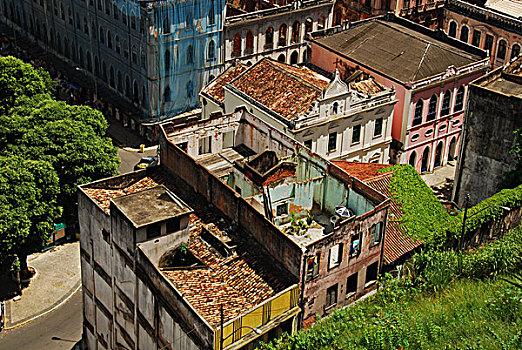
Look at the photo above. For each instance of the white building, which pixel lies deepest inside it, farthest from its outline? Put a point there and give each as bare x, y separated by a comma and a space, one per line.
336, 119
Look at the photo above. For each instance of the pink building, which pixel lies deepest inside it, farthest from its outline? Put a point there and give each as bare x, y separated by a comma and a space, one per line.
429, 71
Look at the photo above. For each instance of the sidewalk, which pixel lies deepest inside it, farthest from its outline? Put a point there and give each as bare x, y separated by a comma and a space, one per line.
58, 277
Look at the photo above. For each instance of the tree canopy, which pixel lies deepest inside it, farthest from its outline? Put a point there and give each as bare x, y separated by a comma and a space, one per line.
47, 148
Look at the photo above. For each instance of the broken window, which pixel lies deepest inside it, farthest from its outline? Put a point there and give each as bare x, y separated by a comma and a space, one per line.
205, 145
331, 296
351, 283
355, 245
336, 256
312, 267
375, 234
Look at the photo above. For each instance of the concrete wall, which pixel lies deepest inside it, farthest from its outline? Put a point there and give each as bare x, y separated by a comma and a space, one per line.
488, 136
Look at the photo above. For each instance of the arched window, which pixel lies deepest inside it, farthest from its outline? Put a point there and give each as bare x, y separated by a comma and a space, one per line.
80, 56
69, 11
102, 36
78, 23
85, 26
116, 11
66, 47
120, 81
89, 62
127, 86
135, 93
236, 49
59, 43
425, 159
502, 48
167, 59
62, 12
335, 108
96, 66
109, 39
295, 32
446, 103
166, 94
166, 26
124, 16
118, 44
190, 54
104, 71
515, 51
269, 38
111, 76
459, 99
125, 49
211, 51
432, 108
189, 20
294, 57
134, 54
281, 58
211, 16
413, 159
133, 24
417, 116
93, 30
190, 89
107, 7
282, 35
309, 24
249, 43
464, 34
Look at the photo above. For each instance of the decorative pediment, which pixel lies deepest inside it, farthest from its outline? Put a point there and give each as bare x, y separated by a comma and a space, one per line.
336, 87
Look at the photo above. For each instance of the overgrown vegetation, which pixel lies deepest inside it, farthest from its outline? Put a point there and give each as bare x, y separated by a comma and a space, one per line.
445, 300
47, 148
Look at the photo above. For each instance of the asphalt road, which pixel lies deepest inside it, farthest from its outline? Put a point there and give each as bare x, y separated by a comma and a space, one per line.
60, 329
129, 159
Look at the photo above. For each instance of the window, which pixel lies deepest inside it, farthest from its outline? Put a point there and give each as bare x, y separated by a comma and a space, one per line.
166, 25
351, 284
488, 43
205, 145
173, 225
106, 235
376, 234
228, 139
459, 99
312, 267
115, 11
211, 16
269, 38
377, 131
453, 30
432, 108
371, 272
475, 40
249, 49
236, 48
355, 245
109, 39
336, 256
133, 21
153, 230
282, 209
118, 44
515, 51
417, 117
166, 94
189, 20
308, 144
332, 141
331, 296
502, 48
190, 54
282, 35
356, 133
102, 36
446, 102
211, 53
464, 34
335, 108
167, 59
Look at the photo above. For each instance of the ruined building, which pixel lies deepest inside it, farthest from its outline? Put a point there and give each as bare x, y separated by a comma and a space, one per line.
493, 114
335, 118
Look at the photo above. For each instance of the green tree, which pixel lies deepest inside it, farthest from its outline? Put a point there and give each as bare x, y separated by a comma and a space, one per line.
19, 79
28, 206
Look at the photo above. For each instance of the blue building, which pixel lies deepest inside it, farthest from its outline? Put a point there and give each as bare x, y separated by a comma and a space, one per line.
154, 54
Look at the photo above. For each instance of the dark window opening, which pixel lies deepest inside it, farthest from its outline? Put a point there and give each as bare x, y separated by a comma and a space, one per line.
173, 225
371, 272
331, 296
153, 230
351, 283
312, 267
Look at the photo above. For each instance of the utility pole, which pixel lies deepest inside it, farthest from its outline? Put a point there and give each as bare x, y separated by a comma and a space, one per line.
463, 232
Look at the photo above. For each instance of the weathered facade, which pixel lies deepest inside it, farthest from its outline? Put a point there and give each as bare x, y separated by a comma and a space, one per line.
155, 56
271, 184
267, 29
335, 119
493, 115
429, 71
495, 27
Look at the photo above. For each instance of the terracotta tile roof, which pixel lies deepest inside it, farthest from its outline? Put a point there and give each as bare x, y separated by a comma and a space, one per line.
103, 196
368, 86
215, 88
287, 90
362, 171
279, 174
239, 282
396, 242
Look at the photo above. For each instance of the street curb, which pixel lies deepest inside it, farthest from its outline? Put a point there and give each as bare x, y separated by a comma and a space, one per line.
53, 307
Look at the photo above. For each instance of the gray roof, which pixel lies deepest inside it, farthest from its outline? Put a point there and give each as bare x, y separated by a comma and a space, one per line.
152, 205
395, 51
